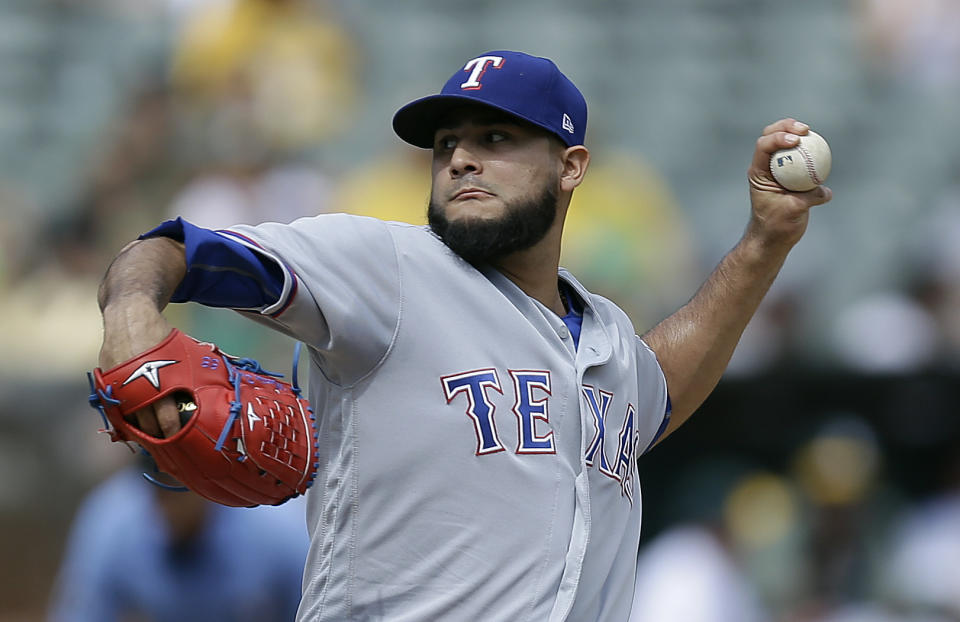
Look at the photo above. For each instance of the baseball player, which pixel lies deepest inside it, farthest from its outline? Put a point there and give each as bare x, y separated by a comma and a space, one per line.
480, 411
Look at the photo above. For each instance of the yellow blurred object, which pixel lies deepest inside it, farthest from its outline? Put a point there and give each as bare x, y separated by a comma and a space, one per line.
52, 327
291, 64
836, 470
761, 510
395, 188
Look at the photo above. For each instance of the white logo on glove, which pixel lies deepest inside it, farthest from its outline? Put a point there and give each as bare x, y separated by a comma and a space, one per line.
252, 417
149, 370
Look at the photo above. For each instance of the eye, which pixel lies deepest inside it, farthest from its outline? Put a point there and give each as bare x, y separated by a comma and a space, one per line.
496, 136
445, 143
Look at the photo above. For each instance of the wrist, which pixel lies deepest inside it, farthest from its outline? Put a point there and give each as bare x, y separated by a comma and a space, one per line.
132, 314
131, 324
761, 244
757, 258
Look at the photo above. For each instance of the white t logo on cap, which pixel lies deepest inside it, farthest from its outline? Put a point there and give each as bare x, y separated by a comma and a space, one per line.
476, 67
567, 123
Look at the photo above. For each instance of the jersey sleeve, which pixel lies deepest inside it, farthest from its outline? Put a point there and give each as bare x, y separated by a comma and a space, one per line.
653, 384
341, 290
331, 281
226, 270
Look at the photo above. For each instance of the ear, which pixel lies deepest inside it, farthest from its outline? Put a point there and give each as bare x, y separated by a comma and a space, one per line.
575, 161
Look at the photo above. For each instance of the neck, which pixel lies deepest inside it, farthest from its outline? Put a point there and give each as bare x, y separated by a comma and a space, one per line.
534, 270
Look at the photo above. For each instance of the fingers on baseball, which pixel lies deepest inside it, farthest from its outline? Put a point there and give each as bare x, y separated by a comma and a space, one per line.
787, 125
768, 143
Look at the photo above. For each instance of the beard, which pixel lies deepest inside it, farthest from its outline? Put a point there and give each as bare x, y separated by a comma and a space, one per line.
480, 240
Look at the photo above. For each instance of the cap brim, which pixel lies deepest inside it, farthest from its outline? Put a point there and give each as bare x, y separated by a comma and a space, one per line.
416, 123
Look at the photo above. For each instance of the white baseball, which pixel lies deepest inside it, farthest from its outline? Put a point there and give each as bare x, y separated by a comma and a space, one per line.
803, 167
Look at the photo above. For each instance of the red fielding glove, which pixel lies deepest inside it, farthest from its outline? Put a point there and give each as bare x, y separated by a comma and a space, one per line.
247, 438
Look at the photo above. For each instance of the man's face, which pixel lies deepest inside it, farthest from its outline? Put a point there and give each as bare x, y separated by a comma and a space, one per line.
495, 184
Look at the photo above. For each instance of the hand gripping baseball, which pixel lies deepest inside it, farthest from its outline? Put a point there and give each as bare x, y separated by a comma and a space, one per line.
246, 437
779, 215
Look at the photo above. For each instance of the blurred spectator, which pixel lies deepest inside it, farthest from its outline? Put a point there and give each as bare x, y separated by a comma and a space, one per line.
225, 197
51, 297
888, 332
260, 87
286, 67
922, 575
935, 253
688, 575
919, 41
693, 572
130, 177
764, 519
140, 552
838, 471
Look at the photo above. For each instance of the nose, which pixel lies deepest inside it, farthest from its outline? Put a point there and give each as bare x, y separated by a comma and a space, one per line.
463, 161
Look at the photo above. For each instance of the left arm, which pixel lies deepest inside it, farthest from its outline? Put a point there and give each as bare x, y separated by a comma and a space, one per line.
695, 344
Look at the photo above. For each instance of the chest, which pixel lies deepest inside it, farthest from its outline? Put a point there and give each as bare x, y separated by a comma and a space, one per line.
491, 380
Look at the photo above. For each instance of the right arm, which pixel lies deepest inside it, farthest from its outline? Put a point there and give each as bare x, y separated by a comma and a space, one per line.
242, 269
138, 285
695, 344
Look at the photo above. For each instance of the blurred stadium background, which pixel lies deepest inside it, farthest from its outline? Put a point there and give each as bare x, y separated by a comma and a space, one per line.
824, 472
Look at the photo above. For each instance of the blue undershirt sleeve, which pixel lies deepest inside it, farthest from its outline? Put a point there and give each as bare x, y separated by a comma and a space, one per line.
225, 269
663, 425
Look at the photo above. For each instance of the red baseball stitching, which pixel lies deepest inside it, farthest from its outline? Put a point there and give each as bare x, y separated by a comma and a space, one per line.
808, 160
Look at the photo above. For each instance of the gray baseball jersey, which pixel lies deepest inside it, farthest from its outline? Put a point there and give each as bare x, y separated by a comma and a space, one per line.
474, 464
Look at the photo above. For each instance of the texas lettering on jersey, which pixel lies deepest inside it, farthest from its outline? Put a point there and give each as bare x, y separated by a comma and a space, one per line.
531, 391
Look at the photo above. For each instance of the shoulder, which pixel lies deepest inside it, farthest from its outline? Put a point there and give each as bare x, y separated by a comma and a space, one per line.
337, 230
319, 226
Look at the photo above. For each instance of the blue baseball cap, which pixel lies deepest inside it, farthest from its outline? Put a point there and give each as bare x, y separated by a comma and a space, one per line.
527, 87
